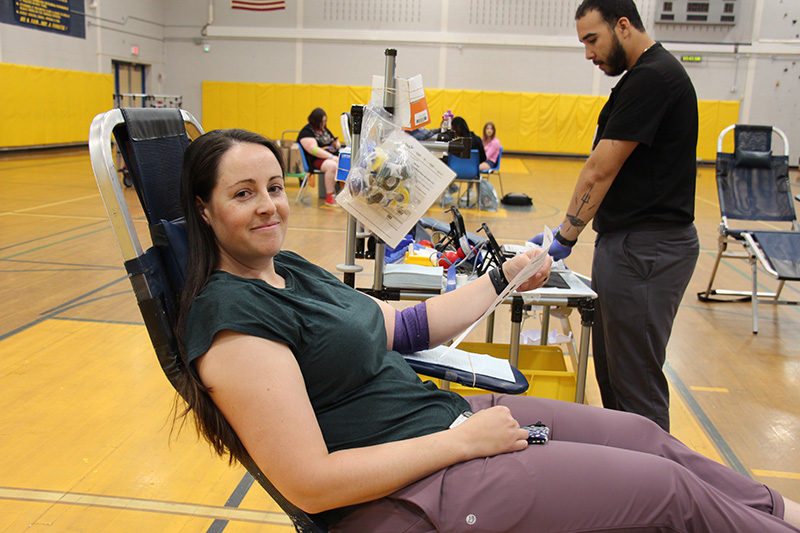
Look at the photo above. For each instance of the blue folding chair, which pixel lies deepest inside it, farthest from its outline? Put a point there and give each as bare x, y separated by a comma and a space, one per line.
310, 171
467, 171
496, 170
753, 186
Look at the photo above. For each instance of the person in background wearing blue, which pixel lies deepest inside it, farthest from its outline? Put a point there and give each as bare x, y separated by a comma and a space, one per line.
638, 186
321, 150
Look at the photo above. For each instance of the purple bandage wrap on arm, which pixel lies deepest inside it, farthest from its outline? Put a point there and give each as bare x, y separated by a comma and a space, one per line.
411, 329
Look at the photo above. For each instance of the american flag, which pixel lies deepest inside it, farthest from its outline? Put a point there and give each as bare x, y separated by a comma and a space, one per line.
258, 5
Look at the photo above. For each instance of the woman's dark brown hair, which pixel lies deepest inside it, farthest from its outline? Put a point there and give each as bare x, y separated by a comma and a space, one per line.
199, 176
316, 116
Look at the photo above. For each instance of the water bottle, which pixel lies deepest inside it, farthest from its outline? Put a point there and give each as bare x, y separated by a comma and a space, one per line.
447, 120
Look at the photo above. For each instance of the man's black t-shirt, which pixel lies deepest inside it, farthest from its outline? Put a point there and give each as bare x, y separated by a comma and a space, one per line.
655, 105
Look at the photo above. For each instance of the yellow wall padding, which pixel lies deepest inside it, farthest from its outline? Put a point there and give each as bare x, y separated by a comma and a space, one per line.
715, 116
272, 108
43, 106
526, 122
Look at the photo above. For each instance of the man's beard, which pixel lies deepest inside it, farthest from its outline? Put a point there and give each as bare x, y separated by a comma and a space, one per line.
617, 60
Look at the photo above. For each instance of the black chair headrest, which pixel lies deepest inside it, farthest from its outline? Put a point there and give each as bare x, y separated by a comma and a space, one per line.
753, 159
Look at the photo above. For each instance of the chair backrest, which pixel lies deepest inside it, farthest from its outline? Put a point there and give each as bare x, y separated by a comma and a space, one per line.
152, 142
303, 155
499, 156
752, 182
344, 120
465, 169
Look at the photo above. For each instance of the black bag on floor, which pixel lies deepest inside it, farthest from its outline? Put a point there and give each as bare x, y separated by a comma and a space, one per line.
517, 198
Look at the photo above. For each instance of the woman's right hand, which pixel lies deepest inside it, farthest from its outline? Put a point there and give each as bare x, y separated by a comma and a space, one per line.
491, 432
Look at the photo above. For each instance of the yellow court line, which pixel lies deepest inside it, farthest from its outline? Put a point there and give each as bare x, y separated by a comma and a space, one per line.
46, 215
318, 230
709, 389
153, 506
706, 200
775, 473
513, 166
500, 213
17, 211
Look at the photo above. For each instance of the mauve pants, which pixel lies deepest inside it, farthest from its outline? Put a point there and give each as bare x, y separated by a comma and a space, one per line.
602, 470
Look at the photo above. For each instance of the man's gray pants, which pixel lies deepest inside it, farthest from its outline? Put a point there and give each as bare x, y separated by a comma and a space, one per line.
640, 278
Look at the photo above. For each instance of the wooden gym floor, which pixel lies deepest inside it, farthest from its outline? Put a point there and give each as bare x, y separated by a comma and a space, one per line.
85, 433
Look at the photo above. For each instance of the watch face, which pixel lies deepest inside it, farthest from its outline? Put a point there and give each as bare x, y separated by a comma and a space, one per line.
538, 434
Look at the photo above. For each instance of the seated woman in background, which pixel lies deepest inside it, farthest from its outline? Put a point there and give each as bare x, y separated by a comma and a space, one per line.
491, 145
305, 374
321, 149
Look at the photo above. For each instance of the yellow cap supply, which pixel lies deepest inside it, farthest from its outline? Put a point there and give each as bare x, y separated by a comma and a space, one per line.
425, 258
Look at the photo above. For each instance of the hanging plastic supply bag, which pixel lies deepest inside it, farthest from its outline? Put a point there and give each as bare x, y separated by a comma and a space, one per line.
382, 173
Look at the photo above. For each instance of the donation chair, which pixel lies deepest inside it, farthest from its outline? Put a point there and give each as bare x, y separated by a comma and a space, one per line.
753, 186
152, 142
496, 170
468, 171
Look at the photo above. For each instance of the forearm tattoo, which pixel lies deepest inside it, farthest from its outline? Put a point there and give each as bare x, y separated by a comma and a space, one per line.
575, 220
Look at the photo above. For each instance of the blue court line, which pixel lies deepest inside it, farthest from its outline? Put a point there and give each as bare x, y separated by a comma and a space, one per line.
22, 328
705, 422
234, 501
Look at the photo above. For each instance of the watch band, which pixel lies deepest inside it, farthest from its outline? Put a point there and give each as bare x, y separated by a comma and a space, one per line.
563, 241
498, 279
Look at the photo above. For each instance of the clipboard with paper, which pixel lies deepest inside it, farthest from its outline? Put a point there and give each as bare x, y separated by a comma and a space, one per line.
480, 370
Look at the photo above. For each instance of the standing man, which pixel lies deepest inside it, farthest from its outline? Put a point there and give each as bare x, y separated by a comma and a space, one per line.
639, 186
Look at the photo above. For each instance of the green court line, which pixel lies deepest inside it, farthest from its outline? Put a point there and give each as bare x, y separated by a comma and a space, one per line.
58, 263
49, 236
45, 246
96, 321
79, 299
711, 430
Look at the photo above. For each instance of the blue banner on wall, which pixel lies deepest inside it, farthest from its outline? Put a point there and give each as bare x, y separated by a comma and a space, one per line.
58, 16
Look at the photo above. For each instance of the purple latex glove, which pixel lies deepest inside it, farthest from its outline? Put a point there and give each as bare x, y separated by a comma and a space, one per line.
557, 251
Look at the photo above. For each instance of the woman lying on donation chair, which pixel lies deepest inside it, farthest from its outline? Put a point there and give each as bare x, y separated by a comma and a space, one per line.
303, 372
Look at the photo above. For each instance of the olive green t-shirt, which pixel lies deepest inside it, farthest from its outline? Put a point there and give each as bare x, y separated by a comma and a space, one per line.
362, 393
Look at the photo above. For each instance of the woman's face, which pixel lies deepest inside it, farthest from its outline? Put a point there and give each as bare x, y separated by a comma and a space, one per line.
488, 130
248, 210
323, 123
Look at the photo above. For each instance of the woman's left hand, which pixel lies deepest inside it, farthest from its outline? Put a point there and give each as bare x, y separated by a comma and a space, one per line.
513, 266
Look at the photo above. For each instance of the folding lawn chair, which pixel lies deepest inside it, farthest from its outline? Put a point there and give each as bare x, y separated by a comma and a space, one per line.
753, 185
152, 142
